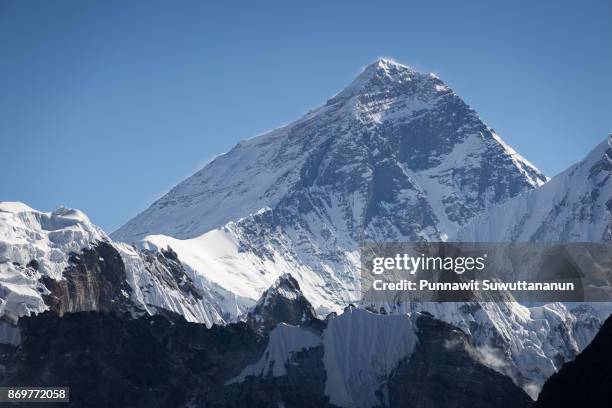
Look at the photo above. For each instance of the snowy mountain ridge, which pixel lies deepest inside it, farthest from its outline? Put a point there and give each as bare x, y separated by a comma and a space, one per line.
574, 206
65, 251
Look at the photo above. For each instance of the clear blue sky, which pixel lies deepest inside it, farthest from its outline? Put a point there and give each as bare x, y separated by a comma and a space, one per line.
105, 105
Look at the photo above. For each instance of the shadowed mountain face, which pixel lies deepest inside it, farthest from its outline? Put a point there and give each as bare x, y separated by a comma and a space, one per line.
95, 279
110, 359
445, 372
586, 381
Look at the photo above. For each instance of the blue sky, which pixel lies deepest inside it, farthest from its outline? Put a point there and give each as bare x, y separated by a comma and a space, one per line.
106, 105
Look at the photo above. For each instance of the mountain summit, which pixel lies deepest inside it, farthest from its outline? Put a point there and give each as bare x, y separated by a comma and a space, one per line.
385, 74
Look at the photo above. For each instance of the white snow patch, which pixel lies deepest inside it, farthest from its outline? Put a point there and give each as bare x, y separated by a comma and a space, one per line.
284, 341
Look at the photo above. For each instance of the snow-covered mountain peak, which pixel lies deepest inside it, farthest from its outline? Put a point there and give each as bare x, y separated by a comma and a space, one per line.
384, 68
33, 245
387, 70
385, 62
14, 207
396, 156
393, 138
22, 211
72, 213
47, 237
600, 158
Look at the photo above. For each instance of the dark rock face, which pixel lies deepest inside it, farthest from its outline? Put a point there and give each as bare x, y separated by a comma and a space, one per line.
303, 386
94, 280
283, 302
586, 381
443, 372
111, 360
108, 360
167, 267
382, 164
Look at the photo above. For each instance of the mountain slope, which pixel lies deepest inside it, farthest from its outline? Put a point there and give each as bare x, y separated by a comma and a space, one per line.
356, 359
446, 371
574, 206
526, 344
395, 156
